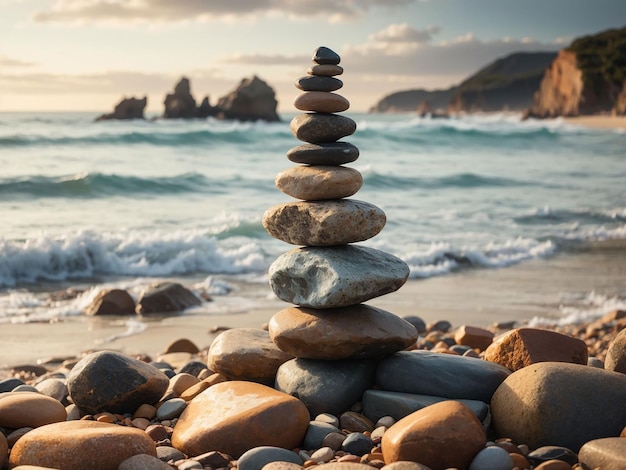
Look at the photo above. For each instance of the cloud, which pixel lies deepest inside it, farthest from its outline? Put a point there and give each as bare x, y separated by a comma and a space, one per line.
404, 33
11, 62
94, 11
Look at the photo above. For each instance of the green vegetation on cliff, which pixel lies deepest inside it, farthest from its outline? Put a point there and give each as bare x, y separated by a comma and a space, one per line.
602, 57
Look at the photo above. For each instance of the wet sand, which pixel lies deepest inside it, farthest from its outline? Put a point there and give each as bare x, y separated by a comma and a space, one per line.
476, 297
599, 122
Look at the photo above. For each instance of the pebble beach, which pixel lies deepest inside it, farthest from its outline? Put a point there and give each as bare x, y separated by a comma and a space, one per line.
343, 363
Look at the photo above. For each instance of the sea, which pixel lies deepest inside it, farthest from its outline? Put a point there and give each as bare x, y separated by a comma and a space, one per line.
127, 203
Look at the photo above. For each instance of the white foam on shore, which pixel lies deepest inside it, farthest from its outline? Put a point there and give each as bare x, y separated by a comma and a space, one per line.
588, 308
133, 327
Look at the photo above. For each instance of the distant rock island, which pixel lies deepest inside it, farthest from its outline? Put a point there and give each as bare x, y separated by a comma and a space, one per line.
507, 84
251, 100
588, 77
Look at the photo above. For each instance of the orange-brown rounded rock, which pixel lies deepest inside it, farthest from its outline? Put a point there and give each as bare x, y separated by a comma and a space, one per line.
234, 417
182, 345
29, 409
4, 449
553, 465
474, 337
80, 445
443, 435
319, 182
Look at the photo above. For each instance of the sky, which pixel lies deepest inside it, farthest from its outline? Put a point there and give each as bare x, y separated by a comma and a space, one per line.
85, 55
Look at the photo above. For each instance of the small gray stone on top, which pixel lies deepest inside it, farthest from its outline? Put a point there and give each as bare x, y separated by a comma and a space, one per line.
324, 55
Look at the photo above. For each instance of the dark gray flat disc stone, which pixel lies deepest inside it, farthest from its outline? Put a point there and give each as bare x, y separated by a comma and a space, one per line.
318, 128
330, 153
317, 83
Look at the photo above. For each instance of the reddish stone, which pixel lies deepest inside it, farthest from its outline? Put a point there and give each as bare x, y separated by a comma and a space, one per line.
29, 409
474, 337
525, 346
443, 435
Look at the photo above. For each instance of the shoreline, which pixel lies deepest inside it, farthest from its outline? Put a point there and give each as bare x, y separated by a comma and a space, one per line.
537, 292
598, 121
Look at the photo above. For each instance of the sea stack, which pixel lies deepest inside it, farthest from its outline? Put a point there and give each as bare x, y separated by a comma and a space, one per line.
328, 277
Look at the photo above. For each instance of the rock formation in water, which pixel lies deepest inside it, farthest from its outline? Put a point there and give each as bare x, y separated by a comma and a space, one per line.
128, 108
181, 103
252, 100
586, 78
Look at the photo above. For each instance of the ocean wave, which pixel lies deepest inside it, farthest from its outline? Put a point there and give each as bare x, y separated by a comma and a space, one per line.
547, 215
460, 180
87, 254
95, 185
442, 258
589, 308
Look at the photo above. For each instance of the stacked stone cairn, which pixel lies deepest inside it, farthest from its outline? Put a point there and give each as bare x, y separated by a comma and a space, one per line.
328, 277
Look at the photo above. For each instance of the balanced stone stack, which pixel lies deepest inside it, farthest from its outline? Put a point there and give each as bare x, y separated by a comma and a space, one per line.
328, 277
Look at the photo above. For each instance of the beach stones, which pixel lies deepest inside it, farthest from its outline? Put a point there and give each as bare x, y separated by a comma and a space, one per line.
29, 409
78, 445
353, 332
443, 435
608, 453
330, 332
166, 297
246, 354
443, 375
524, 346
319, 182
113, 382
324, 223
111, 302
552, 403
338, 276
328, 153
214, 420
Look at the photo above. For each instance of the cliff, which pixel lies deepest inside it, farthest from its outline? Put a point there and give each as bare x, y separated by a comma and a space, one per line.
127, 108
585, 78
505, 84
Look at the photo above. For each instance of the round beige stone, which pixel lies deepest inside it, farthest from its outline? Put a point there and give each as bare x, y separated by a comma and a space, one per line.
321, 102
314, 183
324, 223
325, 70
29, 409
354, 332
78, 445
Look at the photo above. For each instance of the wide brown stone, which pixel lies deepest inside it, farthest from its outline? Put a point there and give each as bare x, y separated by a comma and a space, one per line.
474, 337
324, 223
354, 332
246, 354
608, 453
443, 435
80, 445
182, 345
29, 409
319, 182
236, 416
321, 102
522, 347
319, 128
111, 302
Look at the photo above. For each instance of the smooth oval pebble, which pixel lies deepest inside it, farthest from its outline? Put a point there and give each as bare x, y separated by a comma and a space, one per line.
317, 83
171, 409
321, 102
80, 445
320, 182
328, 153
258, 457
492, 458
324, 223
319, 128
325, 70
29, 409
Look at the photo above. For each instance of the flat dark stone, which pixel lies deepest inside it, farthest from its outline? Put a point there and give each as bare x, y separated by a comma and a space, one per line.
324, 55
319, 128
329, 153
317, 83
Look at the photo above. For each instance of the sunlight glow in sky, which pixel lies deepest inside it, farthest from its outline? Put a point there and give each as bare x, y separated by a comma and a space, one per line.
88, 54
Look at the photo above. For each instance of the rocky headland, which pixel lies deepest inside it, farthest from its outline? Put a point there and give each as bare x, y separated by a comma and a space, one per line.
127, 108
586, 78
